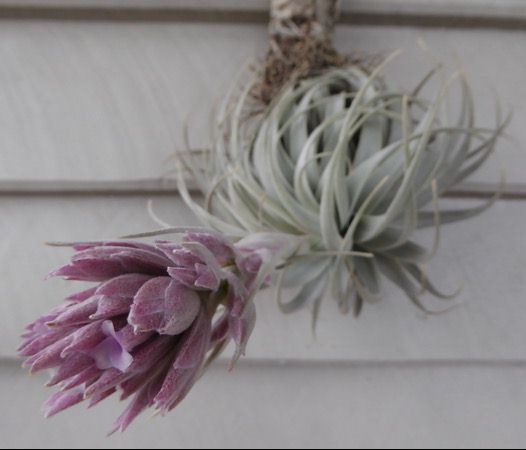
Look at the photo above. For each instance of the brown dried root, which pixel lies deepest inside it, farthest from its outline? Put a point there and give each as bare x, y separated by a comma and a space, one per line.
301, 45
291, 58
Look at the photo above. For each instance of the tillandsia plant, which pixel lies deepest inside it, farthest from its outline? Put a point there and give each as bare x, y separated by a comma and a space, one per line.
341, 159
318, 177
351, 166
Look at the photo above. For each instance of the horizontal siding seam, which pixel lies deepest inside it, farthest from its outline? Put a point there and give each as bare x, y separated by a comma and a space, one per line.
385, 16
165, 187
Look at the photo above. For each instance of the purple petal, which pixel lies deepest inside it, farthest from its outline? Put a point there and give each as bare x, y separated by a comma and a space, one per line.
164, 306
183, 275
182, 306
179, 255
147, 311
48, 358
109, 379
105, 263
241, 328
220, 331
190, 358
208, 259
38, 344
206, 278
79, 247
134, 409
89, 270
250, 264
219, 246
125, 286
145, 359
131, 260
142, 400
110, 353
110, 307
139, 381
96, 399
134, 385
87, 376
78, 314
71, 367
151, 354
129, 339
200, 277
176, 387
61, 401
124, 254
85, 339
39, 327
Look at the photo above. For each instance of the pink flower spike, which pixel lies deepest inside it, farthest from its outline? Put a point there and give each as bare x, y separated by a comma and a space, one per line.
147, 327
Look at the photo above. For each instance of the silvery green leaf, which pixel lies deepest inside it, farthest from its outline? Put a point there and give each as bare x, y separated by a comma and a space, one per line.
395, 272
421, 277
309, 293
409, 252
301, 268
368, 275
427, 219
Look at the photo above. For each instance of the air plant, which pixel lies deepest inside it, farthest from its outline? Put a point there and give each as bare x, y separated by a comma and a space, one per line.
318, 177
354, 168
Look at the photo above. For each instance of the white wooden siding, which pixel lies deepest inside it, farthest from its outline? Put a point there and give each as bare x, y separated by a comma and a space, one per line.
90, 113
99, 102
484, 255
305, 406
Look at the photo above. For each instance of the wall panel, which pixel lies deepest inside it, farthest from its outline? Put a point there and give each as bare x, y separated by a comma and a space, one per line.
486, 256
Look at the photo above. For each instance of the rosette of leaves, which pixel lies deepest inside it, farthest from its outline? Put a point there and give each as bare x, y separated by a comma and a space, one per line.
352, 166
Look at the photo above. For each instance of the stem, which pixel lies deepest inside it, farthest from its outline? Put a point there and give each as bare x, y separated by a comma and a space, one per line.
303, 18
300, 43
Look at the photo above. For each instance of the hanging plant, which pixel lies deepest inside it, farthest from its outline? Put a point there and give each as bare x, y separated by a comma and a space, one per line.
318, 177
